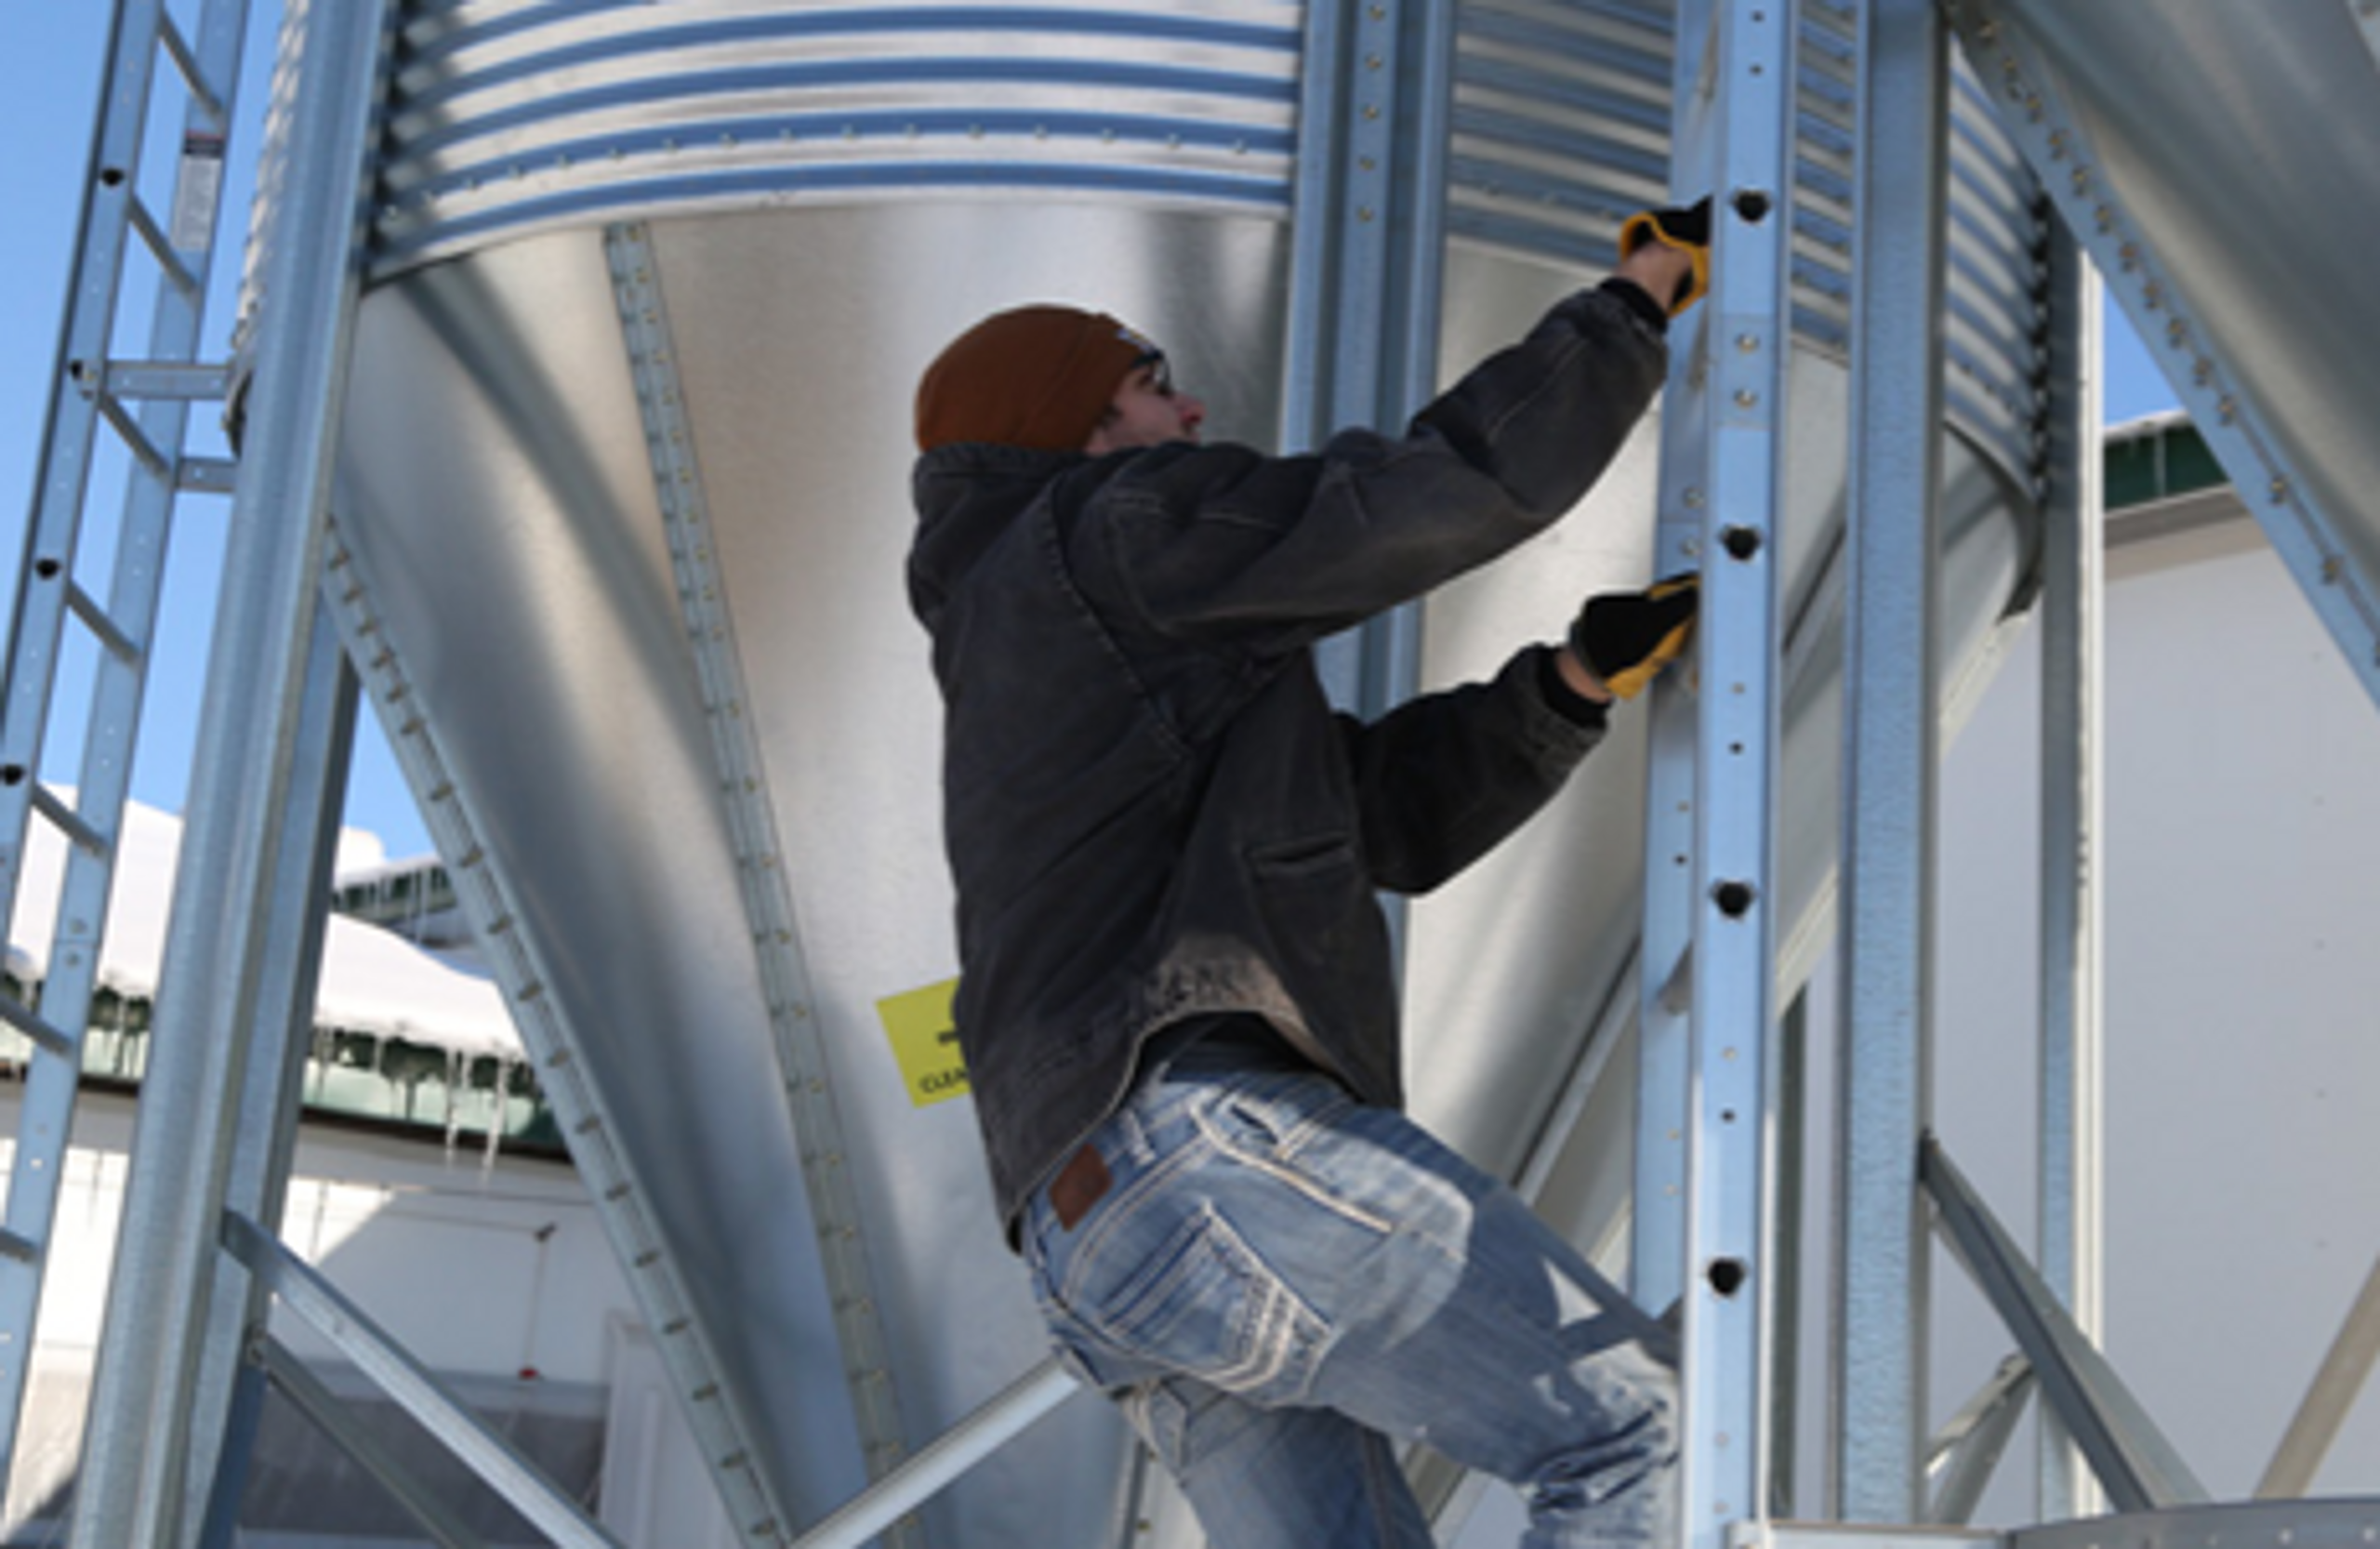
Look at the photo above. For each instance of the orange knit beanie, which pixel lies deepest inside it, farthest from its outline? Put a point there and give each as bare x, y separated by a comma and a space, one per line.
1037, 377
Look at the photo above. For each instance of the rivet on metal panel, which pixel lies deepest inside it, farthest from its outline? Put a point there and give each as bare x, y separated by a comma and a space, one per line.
676, 1326
2082, 179
647, 1259
2058, 145
586, 1126
2228, 411
558, 1059
2280, 490
1693, 499
2333, 570
1748, 343
1371, 110
706, 1394
1746, 398
2177, 330
616, 1192
412, 727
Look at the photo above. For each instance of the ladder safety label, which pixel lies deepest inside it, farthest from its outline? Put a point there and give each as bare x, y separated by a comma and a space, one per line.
925, 1043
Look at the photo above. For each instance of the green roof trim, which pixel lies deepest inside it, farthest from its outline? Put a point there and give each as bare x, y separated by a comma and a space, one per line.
2160, 463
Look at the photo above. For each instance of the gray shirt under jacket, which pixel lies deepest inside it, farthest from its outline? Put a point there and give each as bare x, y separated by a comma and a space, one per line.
1152, 812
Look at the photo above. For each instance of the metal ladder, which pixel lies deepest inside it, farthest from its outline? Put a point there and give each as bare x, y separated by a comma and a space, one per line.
145, 403
1702, 1234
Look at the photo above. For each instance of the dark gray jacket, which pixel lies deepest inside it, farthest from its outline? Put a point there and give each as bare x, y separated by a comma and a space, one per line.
1151, 811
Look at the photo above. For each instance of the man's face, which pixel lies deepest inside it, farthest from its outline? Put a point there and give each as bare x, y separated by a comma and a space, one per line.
1147, 410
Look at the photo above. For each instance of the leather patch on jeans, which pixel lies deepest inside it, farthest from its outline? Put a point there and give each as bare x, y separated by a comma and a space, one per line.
1079, 1185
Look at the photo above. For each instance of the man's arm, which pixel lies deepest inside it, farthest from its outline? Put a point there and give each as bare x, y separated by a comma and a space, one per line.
1445, 778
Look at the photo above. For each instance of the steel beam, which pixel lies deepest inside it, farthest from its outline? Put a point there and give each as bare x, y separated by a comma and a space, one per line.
2344, 1372
1366, 268
1970, 1445
946, 1458
2072, 841
1889, 762
2135, 1463
384, 1364
135, 1447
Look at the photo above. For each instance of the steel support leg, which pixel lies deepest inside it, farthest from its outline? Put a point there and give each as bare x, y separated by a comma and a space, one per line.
1889, 761
2073, 842
134, 1483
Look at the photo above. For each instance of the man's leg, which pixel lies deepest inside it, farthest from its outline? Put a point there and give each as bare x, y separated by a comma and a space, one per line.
1275, 1242
1276, 1479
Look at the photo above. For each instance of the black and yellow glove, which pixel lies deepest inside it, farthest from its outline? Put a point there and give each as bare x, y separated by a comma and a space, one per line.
1625, 638
1688, 231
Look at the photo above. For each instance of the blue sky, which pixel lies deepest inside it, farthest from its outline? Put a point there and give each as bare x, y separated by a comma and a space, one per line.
50, 61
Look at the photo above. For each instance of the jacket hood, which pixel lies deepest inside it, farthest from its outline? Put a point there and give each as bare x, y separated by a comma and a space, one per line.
965, 496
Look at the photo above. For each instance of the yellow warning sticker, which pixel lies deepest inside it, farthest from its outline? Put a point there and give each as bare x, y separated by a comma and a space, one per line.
925, 1043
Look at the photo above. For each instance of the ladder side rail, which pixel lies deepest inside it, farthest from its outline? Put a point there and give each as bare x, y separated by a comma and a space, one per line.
136, 1441
1735, 140
61, 476
1657, 1219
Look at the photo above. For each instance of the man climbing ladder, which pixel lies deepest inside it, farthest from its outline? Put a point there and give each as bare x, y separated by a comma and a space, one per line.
1177, 1003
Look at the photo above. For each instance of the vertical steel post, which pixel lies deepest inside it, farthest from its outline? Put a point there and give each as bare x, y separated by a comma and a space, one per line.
1723, 478
137, 1442
1889, 756
2072, 840
1366, 265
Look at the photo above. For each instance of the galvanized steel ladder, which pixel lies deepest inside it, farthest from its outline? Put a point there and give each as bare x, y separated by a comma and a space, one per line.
145, 403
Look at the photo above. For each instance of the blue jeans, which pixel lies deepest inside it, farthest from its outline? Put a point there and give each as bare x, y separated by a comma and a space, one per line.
1280, 1285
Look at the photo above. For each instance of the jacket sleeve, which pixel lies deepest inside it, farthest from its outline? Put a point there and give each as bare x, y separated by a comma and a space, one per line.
1445, 777
1223, 546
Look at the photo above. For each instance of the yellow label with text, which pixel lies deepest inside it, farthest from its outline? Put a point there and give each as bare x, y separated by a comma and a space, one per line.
925, 1043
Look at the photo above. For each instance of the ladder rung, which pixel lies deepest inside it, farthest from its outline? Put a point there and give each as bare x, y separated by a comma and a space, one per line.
95, 620
143, 450
50, 1039
24, 1250
186, 66
161, 247
68, 822
208, 475
182, 381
